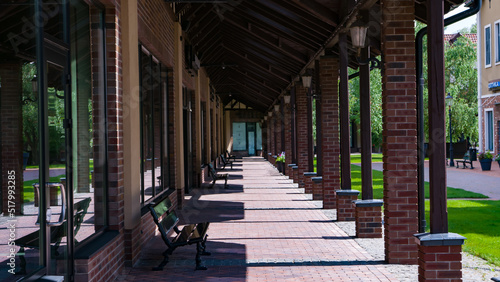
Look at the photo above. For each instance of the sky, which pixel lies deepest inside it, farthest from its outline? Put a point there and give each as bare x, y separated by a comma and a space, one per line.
467, 22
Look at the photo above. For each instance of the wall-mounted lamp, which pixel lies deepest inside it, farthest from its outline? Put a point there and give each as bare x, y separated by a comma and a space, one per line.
358, 36
265, 118
277, 108
286, 98
306, 81
270, 114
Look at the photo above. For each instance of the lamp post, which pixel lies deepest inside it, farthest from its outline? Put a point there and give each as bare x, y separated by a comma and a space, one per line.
449, 103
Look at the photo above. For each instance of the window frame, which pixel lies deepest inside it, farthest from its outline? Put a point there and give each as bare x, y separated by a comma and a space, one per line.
158, 86
489, 127
487, 55
497, 37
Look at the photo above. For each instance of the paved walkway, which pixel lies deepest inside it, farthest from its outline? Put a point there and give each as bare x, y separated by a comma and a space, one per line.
263, 229
475, 180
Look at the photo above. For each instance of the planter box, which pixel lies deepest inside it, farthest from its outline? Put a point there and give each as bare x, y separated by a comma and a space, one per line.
485, 164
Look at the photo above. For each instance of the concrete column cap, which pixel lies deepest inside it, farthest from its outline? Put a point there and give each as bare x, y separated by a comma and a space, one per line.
295, 167
274, 156
317, 179
310, 173
291, 165
368, 203
347, 192
439, 239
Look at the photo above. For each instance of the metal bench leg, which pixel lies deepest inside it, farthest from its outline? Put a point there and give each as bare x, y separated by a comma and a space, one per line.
199, 264
166, 253
22, 264
203, 247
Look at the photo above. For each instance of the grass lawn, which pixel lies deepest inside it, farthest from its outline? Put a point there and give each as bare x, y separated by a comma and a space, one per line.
376, 158
478, 222
378, 186
29, 193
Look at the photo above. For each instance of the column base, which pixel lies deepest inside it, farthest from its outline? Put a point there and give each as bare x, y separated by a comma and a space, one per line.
368, 218
439, 256
317, 188
295, 173
345, 210
308, 183
289, 170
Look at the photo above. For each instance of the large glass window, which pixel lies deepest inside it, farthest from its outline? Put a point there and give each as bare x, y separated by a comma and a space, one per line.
489, 130
153, 105
497, 36
487, 46
239, 136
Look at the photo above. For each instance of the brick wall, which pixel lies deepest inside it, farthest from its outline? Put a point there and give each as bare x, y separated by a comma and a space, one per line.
329, 71
399, 132
11, 140
302, 144
156, 29
103, 265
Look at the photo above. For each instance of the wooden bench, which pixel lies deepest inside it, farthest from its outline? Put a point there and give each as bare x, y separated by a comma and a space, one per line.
167, 221
57, 233
216, 176
225, 161
466, 160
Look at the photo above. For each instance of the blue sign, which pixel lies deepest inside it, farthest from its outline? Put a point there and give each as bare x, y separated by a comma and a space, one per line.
493, 85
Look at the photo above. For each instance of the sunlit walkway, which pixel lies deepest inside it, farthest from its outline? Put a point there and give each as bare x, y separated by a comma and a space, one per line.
263, 229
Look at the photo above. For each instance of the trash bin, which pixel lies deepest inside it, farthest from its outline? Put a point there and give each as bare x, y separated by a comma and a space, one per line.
473, 154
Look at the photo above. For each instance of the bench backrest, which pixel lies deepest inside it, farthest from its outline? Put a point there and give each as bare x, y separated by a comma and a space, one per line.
212, 171
224, 160
164, 219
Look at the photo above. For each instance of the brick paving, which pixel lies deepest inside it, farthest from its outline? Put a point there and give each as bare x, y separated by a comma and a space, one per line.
263, 228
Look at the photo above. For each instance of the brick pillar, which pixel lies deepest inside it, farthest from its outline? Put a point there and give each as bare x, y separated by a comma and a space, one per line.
308, 183
302, 143
272, 147
345, 209
399, 131
287, 115
439, 256
328, 67
11, 141
317, 187
295, 173
290, 169
368, 218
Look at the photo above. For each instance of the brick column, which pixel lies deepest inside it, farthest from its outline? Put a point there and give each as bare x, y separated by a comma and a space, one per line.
328, 71
290, 169
272, 147
302, 143
399, 131
368, 218
345, 209
439, 256
308, 183
287, 115
11, 141
317, 187
295, 173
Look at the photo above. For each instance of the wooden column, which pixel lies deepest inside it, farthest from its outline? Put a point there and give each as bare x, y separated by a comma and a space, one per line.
437, 141
366, 132
345, 146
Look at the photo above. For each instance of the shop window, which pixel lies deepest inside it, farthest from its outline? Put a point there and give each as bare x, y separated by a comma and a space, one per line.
487, 46
153, 113
489, 130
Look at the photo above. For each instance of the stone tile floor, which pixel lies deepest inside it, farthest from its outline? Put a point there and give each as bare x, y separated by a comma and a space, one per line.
263, 228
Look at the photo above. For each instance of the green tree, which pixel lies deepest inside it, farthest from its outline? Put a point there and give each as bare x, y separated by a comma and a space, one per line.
375, 102
460, 82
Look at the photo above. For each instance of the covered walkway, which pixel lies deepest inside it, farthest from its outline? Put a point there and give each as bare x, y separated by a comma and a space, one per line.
264, 228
